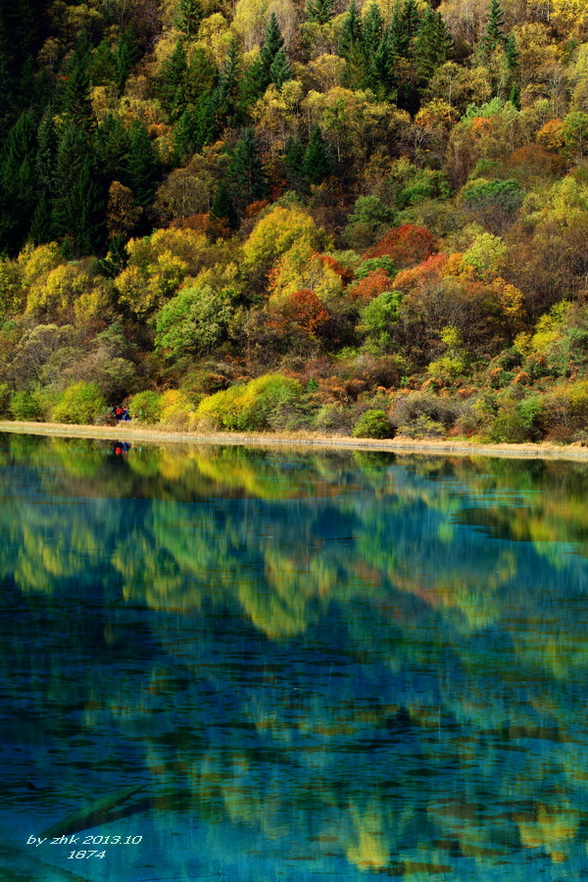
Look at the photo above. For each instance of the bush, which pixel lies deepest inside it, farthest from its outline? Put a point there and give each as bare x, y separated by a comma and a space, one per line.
145, 407
24, 405
252, 407
424, 413
176, 410
80, 403
373, 424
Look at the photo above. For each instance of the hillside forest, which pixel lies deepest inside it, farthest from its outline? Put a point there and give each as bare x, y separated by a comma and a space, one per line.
319, 216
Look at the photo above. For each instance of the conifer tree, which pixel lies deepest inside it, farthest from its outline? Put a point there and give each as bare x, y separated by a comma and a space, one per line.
433, 44
228, 84
189, 17
172, 84
320, 11
280, 69
317, 164
246, 172
102, 68
372, 30
143, 165
494, 37
125, 56
18, 195
223, 207
350, 38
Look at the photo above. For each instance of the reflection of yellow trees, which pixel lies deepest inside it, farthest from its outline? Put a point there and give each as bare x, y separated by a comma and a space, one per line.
369, 850
553, 828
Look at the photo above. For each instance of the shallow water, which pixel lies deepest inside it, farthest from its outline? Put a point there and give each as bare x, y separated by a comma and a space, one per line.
227, 664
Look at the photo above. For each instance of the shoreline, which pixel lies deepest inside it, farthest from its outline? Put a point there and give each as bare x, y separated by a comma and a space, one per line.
400, 444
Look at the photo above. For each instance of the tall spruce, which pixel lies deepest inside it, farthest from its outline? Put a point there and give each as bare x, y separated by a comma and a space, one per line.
246, 172
143, 165
433, 44
189, 17
320, 11
18, 191
172, 82
317, 164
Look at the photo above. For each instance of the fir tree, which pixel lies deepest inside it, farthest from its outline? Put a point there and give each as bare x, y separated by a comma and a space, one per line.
172, 83
280, 69
494, 37
350, 38
372, 30
189, 17
143, 165
112, 147
320, 11
102, 68
228, 84
246, 172
18, 192
317, 163
125, 56
433, 44
223, 207
76, 92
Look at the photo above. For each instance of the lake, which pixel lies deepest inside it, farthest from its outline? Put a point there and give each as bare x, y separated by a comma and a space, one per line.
222, 663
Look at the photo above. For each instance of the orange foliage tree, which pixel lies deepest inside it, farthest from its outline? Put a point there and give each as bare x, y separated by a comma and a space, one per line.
406, 245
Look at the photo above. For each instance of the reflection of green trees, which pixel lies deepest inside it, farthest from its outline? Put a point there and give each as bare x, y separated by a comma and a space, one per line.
404, 565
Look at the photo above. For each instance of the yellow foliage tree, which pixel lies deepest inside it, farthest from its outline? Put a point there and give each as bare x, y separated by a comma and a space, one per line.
276, 232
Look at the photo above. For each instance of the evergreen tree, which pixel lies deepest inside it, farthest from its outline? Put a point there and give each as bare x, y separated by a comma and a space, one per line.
273, 58
433, 44
294, 162
350, 38
223, 207
320, 11
189, 17
494, 37
125, 56
228, 85
317, 163
18, 192
246, 172
280, 69
172, 82
372, 31
143, 165
102, 68
76, 90
112, 147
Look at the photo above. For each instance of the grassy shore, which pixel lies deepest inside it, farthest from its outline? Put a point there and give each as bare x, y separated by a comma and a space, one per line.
135, 433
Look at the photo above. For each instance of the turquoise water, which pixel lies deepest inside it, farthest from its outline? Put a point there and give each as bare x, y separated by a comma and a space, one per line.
227, 664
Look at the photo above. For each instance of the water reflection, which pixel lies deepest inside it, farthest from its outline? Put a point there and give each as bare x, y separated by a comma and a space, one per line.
302, 667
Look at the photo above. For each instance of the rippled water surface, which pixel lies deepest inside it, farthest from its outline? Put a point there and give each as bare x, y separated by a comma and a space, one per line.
230, 664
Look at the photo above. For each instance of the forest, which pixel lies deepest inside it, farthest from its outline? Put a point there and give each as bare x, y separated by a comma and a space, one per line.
297, 215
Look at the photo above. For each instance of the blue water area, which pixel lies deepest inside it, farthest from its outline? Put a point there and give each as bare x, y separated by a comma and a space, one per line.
232, 664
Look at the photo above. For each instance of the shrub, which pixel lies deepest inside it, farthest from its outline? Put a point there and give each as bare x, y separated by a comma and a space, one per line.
24, 405
251, 407
145, 407
425, 413
80, 403
176, 410
373, 424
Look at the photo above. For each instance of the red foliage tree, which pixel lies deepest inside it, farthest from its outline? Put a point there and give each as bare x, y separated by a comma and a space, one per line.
371, 285
301, 310
406, 245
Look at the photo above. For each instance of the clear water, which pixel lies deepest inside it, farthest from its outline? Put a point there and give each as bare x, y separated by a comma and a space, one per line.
226, 664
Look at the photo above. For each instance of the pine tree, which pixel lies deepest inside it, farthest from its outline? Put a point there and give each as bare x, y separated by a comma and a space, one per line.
372, 30
317, 163
102, 68
189, 17
112, 146
18, 194
228, 85
320, 11
125, 56
76, 92
294, 162
274, 61
172, 82
223, 207
143, 166
280, 69
350, 38
433, 44
246, 172
494, 37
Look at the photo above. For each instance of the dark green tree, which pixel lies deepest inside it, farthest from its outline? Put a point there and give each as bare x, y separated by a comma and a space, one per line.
494, 37
223, 207
144, 169
102, 68
189, 17
350, 38
273, 58
433, 44
320, 11
280, 69
125, 55
317, 164
246, 172
372, 30
294, 163
228, 85
18, 191
172, 82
